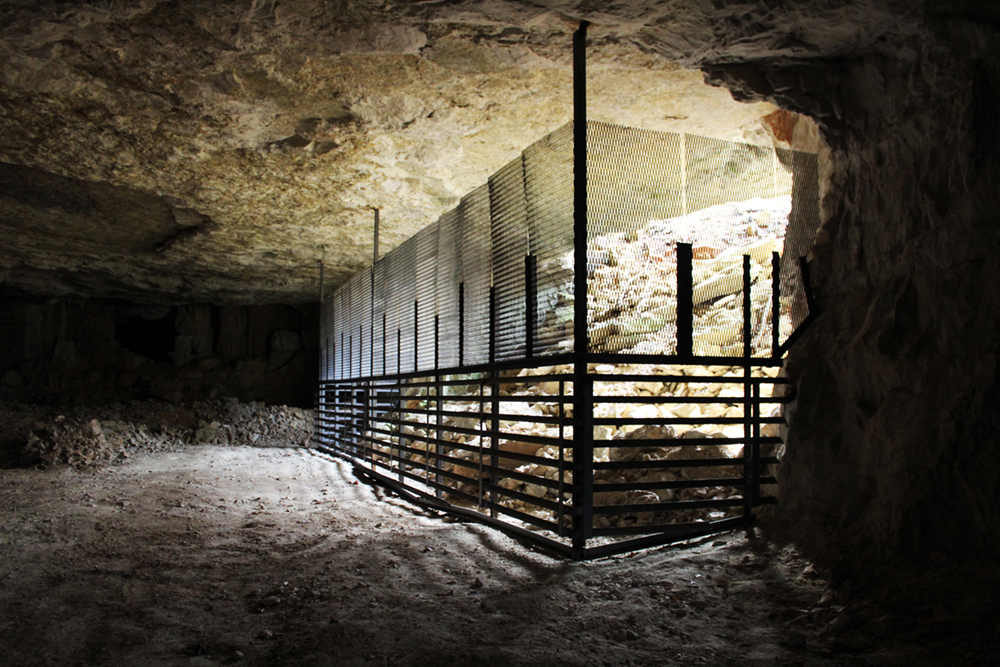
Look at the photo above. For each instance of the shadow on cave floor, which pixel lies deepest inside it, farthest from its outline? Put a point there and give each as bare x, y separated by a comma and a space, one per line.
209, 554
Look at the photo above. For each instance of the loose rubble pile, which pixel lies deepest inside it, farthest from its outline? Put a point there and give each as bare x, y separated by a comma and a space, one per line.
94, 436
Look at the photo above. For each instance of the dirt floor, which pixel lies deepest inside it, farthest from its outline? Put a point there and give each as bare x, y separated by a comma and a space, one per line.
208, 554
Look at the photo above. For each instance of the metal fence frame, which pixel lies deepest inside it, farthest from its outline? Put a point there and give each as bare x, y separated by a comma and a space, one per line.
392, 423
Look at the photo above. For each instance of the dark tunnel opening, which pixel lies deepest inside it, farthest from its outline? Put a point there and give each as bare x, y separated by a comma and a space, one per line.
149, 338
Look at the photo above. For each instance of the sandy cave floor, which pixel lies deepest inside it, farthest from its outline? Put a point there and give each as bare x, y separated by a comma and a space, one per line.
211, 554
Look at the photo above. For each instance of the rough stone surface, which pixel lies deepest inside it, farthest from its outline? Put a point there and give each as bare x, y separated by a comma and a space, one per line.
216, 152
893, 435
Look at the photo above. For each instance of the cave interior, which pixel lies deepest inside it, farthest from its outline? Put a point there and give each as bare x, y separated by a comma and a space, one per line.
174, 175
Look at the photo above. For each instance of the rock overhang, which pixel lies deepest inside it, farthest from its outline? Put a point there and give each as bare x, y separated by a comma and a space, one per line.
226, 150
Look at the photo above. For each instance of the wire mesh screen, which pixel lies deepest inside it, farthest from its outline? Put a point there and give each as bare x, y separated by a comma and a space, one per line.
634, 176
426, 297
720, 171
548, 184
448, 289
379, 323
400, 297
647, 192
509, 234
360, 327
326, 339
727, 200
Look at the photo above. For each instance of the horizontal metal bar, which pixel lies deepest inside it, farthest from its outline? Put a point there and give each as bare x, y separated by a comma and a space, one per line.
513, 456
681, 400
509, 437
537, 361
668, 421
680, 442
678, 360
682, 379
669, 506
529, 499
672, 484
665, 464
680, 532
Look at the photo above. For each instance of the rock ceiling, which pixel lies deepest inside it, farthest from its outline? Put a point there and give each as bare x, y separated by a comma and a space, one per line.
217, 151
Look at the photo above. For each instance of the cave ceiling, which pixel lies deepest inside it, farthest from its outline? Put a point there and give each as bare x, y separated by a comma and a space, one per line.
180, 152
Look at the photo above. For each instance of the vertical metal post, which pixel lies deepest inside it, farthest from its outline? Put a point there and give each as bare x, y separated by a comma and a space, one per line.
375, 244
775, 303
350, 395
747, 311
755, 446
748, 391
438, 408
416, 335
482, 413
494, 405
324, 371
400, 402
583, 388
461, 324
362, 389
685, 301
530, 304
560, 516
383, 342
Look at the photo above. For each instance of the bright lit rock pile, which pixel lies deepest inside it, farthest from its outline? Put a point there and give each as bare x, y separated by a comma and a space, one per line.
633, 286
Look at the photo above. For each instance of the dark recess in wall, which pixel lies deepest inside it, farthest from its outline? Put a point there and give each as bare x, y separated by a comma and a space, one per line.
87, 352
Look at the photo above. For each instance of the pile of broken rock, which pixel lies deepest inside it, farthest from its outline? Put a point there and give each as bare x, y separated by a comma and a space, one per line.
93, 436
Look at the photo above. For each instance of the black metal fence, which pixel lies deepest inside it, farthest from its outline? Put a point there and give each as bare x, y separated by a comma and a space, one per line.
452, 369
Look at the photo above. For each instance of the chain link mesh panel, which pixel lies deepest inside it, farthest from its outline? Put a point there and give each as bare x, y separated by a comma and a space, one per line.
326, 339
426, 295
449, 279
476, 257
509, 235
548, 185
380, 335
360, 329
401, 279
735, 201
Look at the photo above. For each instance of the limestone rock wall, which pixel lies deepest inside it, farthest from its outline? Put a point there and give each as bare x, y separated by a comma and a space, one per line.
894, 437
74, 352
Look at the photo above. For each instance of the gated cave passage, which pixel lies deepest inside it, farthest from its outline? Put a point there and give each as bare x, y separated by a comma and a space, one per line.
183, 184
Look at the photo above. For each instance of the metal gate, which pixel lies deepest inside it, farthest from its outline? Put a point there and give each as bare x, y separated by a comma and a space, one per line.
462, 370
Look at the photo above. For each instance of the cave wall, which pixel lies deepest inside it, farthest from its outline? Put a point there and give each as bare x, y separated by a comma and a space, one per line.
893, 445
92, 351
